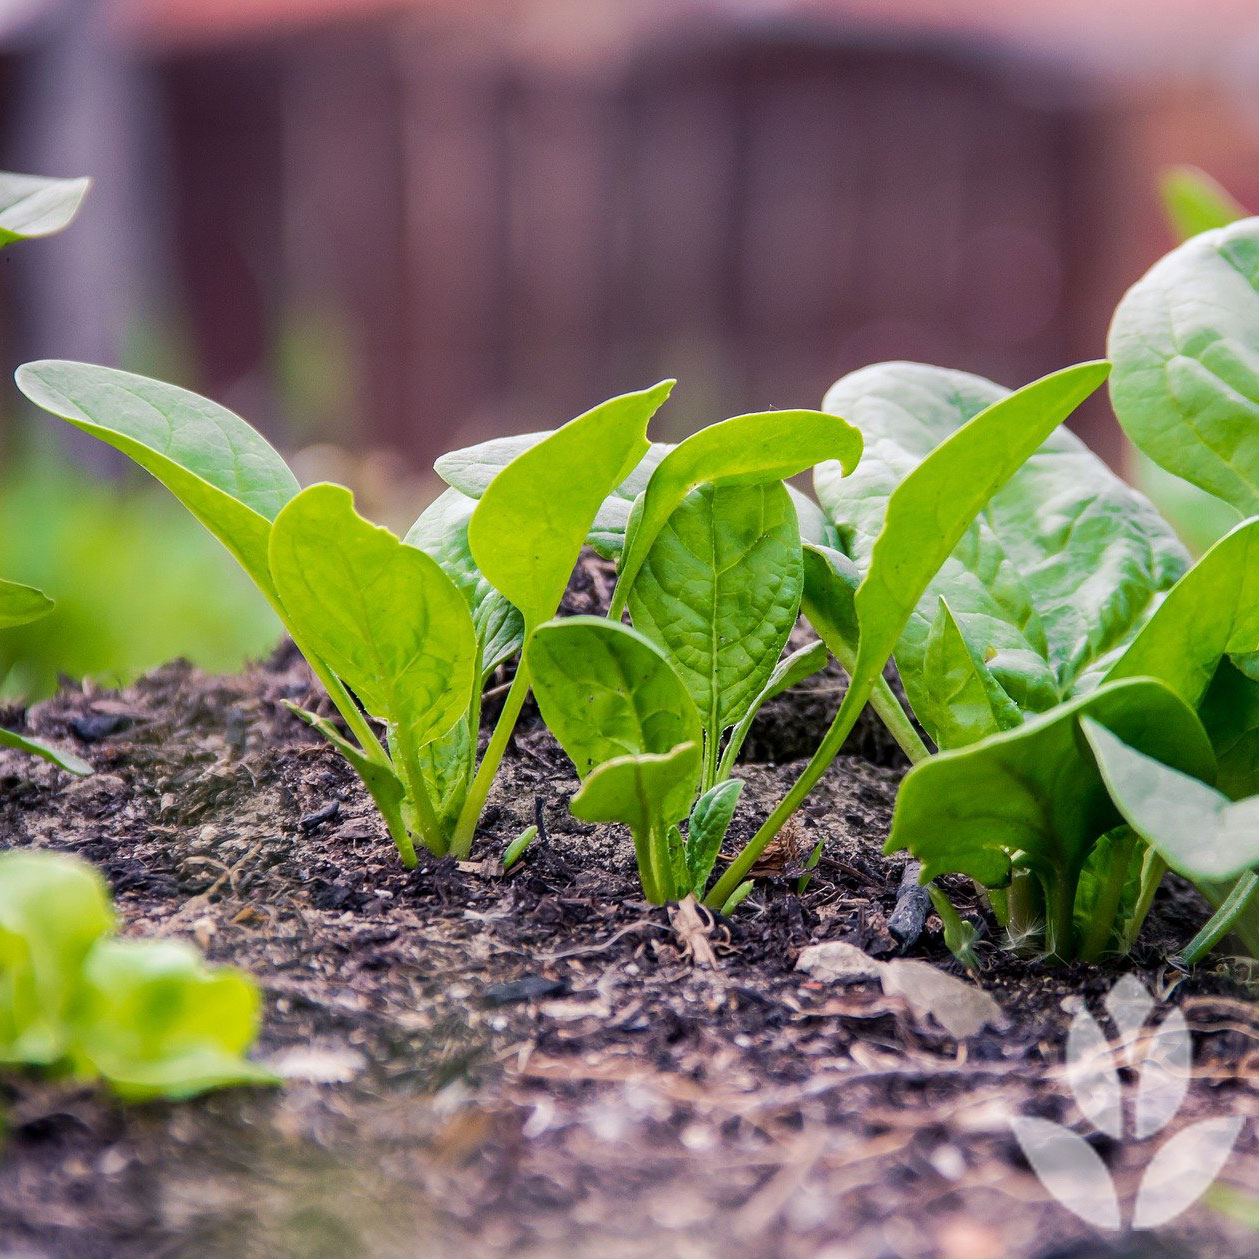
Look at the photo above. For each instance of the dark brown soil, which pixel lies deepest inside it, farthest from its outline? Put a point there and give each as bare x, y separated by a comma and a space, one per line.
531, 1064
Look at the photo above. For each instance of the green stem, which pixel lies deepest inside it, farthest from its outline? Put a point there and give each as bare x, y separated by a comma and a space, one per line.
1060, 923
884, 702
1152, 870
417, 788
470, 814
644, 851
341, 698
1103, 921
1024, 906
1221, 922
849, 710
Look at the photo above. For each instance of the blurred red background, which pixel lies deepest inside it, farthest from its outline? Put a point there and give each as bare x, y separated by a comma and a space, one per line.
408, 225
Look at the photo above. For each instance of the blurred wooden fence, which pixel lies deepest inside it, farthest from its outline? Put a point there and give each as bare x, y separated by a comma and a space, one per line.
507, 235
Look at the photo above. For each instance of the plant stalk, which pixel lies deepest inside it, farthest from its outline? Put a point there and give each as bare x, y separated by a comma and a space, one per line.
1103, 921
431, 834
884, 702
470, 814
1221, 922
849, 710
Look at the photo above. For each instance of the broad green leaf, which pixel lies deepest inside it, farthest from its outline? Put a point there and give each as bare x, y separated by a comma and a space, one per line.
788, 672
637, 789
710, 820
607, 691
220, 468
472, 469
382, 614
448, 764
33, 205
442, 532
1195, 203
1230, 713
961, 702
1185, 344
1034, 793
648, 793
1197, 830
156, 1021
719, 592
828, 601
53, 909
745, 450
533, 517
19, 604
1213, 610
1056, 562
45, 751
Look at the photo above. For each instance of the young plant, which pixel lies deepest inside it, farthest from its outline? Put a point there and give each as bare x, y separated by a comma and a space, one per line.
147, 1016
1196, 830
711, 573
924, 518
625, 719
20, 605
382, 623
31, 206
1181, 340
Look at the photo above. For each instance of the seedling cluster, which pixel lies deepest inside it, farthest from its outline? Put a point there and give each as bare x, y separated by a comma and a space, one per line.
1083, 699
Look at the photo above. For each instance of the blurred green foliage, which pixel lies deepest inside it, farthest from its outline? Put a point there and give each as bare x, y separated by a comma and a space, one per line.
137, 582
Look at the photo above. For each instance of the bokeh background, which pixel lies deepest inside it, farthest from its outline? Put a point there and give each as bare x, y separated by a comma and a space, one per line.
379, 229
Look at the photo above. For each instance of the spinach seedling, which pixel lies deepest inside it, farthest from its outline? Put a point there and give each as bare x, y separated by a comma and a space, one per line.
711, 571
626, 720
380, 622
1195, 829
926, 516
31, 206
147, 1016
1048, 583
1031, 800
20, 605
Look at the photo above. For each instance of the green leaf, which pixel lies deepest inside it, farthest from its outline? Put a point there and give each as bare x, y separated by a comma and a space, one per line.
1195, 203
1185, 344
719, 592
1230, 713
1213, 610
472, 469
829, 601
46, 751
442, 532
745, 450
1034, 793
647, 793
53, 909
961, 702
533, 517
156, 1021
223, 471
33, 205
607, 691
1197, 830
383, 615
1056, 561
788, 672
19, 604
710, 820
